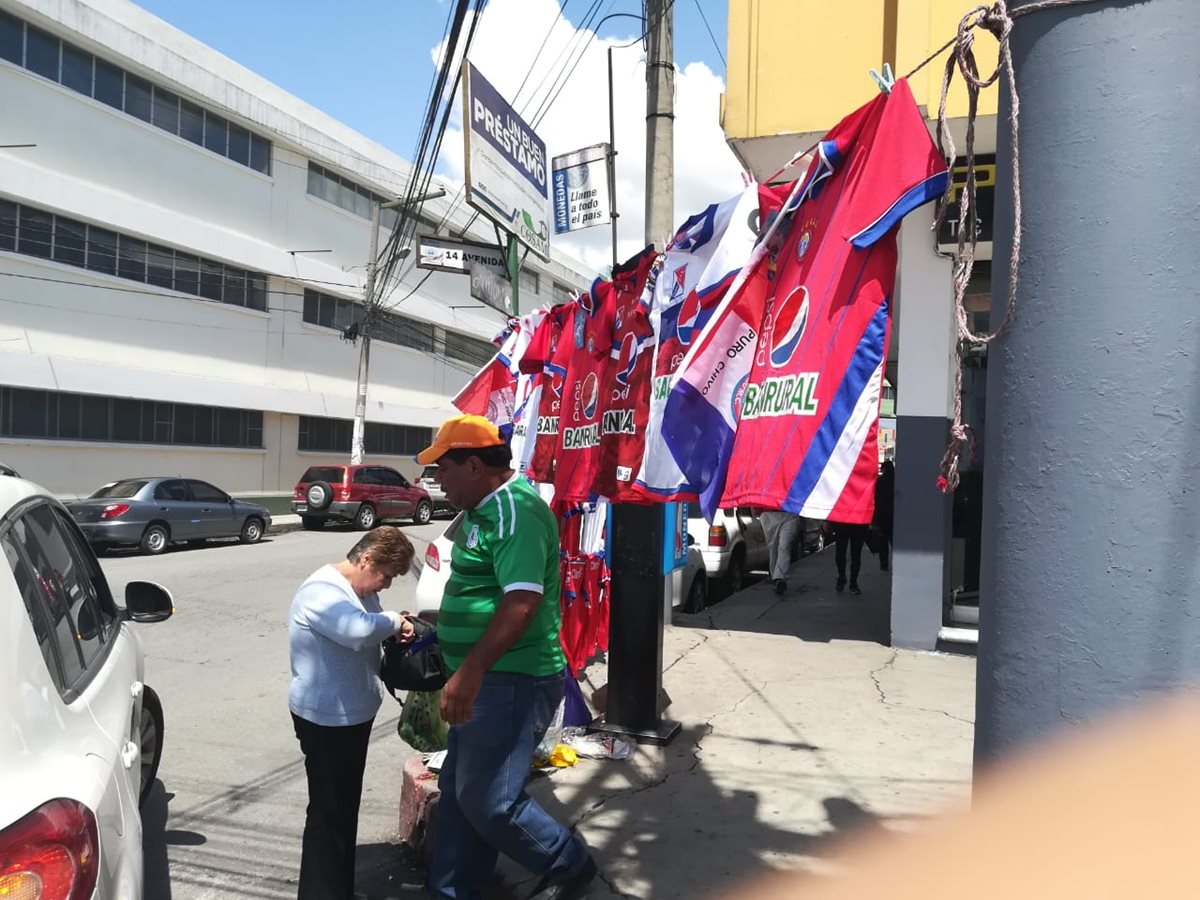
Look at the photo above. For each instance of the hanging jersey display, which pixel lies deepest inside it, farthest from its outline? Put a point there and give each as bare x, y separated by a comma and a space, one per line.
546, 358
626, 385
699, 265
491, 392
526, 394
806, 436
588, 341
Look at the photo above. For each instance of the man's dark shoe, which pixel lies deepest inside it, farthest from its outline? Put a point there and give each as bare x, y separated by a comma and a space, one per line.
854, 588
573, 888
841, 585
780, 586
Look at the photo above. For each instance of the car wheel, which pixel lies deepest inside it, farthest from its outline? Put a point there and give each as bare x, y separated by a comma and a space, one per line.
154, 539
424, 513
150, 739
252, 531
319, 495
697, 598
366, 518
735, 577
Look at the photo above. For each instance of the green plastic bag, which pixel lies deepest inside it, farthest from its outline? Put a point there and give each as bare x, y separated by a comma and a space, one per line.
421, 725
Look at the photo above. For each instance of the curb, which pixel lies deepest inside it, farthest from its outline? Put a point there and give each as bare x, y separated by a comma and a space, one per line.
418, 796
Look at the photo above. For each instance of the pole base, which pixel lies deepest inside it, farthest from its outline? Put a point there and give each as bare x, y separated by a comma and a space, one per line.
657, 737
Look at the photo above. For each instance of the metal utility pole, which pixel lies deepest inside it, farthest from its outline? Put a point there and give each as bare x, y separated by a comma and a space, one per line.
357, 439
635, 644
612, 161
370, 306
1092, 483
660, 120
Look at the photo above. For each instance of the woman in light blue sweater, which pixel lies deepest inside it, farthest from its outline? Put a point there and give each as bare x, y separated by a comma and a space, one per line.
336, 629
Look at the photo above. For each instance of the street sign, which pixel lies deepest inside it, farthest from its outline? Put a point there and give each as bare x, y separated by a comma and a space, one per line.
506, 164
490, 288
452, 255
581, 196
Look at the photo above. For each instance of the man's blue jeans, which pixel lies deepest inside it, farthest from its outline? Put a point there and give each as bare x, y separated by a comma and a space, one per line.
484, 810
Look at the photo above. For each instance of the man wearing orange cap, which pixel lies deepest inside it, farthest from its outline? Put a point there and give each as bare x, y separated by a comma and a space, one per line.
498, 629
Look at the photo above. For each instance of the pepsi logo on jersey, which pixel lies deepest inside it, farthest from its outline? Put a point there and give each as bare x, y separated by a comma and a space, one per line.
626, 359
689, 315
790, 319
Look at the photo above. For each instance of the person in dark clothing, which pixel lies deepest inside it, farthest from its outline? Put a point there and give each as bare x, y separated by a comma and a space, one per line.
885, 500
853, 536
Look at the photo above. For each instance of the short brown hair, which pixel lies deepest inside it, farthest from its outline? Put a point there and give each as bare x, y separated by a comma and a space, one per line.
388, 546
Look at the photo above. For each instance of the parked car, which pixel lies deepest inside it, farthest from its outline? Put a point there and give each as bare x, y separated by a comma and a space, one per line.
435, 572
362, 495
83, 733
154, 513
429, 481
733, 545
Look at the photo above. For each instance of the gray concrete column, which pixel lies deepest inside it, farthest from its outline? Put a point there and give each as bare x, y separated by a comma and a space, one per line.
1091, 541
924, 382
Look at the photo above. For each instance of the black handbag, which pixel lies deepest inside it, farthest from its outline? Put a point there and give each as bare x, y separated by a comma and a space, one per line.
416, 666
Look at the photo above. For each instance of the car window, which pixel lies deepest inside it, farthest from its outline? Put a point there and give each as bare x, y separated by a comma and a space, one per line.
391, 477
28, 585
203, 492
63, 578
429, 473
172, 490
119, 490
332, 474
365, 476
746, 512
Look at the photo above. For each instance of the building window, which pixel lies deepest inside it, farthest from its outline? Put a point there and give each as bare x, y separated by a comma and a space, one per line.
54, 415
529, 282
561, 293
48, 236
337, 312
46, 55
333, 188
468, 349
320, 435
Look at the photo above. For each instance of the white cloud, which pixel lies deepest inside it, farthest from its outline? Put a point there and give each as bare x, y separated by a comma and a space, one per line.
505, 43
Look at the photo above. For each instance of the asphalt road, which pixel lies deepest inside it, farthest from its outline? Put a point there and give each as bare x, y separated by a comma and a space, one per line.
227, 817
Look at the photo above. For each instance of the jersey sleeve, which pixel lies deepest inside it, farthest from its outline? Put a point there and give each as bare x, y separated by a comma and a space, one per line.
902, 170
520, 556
540, 348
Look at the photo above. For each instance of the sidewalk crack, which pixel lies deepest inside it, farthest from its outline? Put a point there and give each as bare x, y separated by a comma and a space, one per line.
883, 698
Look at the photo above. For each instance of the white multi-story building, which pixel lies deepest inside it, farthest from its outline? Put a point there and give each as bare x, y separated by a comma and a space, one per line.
181, 249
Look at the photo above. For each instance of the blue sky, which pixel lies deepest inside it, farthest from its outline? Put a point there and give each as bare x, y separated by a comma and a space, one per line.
367, 62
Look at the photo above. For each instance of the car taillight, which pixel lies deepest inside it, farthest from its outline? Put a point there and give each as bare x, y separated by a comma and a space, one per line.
112, 511
299, 494
717, 536
344, 494
51, 854
433, 559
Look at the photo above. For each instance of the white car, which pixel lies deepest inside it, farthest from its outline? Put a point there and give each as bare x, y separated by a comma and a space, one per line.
733, 545
82, 737
428, 480
693, 596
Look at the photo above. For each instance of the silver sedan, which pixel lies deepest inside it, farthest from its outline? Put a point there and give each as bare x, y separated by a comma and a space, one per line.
153, 513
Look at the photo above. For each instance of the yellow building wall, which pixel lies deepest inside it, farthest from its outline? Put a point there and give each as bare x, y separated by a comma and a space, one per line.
799, 66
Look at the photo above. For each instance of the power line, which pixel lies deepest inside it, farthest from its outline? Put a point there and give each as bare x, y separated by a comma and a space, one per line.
716, 46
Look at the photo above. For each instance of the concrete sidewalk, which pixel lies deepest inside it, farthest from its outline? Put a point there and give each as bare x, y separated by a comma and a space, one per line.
799, 726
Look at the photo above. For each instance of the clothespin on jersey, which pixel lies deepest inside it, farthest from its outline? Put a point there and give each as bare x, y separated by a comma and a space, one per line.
886, 80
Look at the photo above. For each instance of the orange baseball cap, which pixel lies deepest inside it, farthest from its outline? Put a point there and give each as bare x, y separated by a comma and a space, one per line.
461, 433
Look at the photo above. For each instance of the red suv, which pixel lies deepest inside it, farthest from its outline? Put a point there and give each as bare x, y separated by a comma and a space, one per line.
362, 495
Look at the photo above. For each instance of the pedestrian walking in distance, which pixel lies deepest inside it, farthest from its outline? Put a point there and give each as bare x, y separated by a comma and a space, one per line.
498, 628
885, 507
781, 529
336, 629
852, 537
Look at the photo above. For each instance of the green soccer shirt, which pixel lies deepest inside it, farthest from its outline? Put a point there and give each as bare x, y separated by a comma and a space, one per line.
509, 542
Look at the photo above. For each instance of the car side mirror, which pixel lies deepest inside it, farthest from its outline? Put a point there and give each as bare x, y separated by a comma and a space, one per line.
148, 602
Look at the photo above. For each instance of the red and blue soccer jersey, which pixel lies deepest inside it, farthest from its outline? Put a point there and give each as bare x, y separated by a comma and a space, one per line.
625, 390
547, 356
807, 432
587, 341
